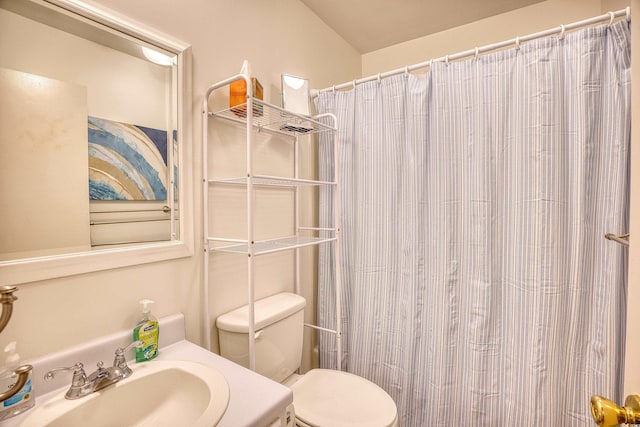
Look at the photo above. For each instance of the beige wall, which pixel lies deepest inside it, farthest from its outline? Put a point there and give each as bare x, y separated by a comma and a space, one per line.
531, 19
277, 37
42, 120
138, 96
612, 5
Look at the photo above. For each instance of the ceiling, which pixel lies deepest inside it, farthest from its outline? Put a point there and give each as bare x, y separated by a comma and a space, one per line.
370, 25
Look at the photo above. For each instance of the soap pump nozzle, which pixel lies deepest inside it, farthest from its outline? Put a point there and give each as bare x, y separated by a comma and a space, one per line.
145, 306
12, 359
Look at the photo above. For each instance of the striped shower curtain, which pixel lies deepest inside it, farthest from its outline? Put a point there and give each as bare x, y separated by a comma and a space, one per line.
478, 289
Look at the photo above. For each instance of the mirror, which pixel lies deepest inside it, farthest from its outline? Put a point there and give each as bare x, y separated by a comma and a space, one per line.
92, 139
295, 94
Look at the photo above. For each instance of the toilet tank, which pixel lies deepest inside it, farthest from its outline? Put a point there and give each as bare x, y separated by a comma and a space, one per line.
279, 323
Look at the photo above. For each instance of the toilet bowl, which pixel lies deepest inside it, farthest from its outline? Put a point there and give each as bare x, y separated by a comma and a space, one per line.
324, 397
321, 397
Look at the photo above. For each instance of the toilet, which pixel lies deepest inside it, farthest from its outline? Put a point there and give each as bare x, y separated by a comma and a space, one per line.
321, 397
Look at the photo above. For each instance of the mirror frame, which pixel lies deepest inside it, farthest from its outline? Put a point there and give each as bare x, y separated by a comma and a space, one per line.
26, 270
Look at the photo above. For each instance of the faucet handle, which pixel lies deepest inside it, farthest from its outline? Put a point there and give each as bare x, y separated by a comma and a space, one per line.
101, 372
79, 376
120, 350
120, 362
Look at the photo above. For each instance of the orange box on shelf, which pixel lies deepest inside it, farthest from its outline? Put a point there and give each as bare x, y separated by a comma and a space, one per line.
238, 96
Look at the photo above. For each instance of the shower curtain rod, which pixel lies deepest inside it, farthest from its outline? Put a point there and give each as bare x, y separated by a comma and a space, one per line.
561, 30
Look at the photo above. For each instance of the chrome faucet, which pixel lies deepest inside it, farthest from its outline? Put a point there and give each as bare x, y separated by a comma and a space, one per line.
81, 385
120, 362
102, 377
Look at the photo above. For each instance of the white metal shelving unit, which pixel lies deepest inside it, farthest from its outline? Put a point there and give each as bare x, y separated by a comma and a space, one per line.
269, 119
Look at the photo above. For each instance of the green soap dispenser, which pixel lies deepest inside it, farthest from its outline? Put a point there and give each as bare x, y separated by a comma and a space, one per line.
147, 330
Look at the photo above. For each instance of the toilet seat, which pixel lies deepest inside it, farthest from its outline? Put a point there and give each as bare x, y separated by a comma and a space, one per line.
324, 397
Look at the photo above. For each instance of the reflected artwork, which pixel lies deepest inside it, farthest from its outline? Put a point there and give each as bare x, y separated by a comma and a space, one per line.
126, 162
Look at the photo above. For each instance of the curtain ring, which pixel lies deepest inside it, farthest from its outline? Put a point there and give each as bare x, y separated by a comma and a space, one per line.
477, 53
627, 12
446, 60
354, 83
430, 64
333, 89
379, 78
562, 30
406, 70
612, 16
518, 43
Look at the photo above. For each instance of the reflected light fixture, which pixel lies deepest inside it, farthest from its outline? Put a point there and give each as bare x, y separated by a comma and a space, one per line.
293, 82
157, 57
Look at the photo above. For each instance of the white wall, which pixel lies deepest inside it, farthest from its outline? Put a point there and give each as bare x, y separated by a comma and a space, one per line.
280, 36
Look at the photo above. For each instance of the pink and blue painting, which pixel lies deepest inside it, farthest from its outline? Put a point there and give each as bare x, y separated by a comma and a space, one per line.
126, 162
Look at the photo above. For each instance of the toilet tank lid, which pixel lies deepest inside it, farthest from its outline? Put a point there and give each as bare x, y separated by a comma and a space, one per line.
267, 311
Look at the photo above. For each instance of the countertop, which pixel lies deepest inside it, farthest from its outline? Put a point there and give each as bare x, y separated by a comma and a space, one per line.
255, 401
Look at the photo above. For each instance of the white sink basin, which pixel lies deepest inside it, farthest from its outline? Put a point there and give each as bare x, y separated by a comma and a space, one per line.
158, 393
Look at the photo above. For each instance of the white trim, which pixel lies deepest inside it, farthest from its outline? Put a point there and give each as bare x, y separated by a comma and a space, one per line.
118, 22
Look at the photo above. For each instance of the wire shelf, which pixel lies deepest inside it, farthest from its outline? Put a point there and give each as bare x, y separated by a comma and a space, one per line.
276, 245
270, 117
265, 117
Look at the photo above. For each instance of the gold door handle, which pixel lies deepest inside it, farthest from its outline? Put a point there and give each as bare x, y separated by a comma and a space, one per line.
607, 414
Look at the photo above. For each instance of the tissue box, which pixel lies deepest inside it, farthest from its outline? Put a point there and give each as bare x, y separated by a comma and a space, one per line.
238, 97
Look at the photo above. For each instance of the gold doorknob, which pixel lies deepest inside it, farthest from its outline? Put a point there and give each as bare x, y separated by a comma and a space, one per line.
607, 414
